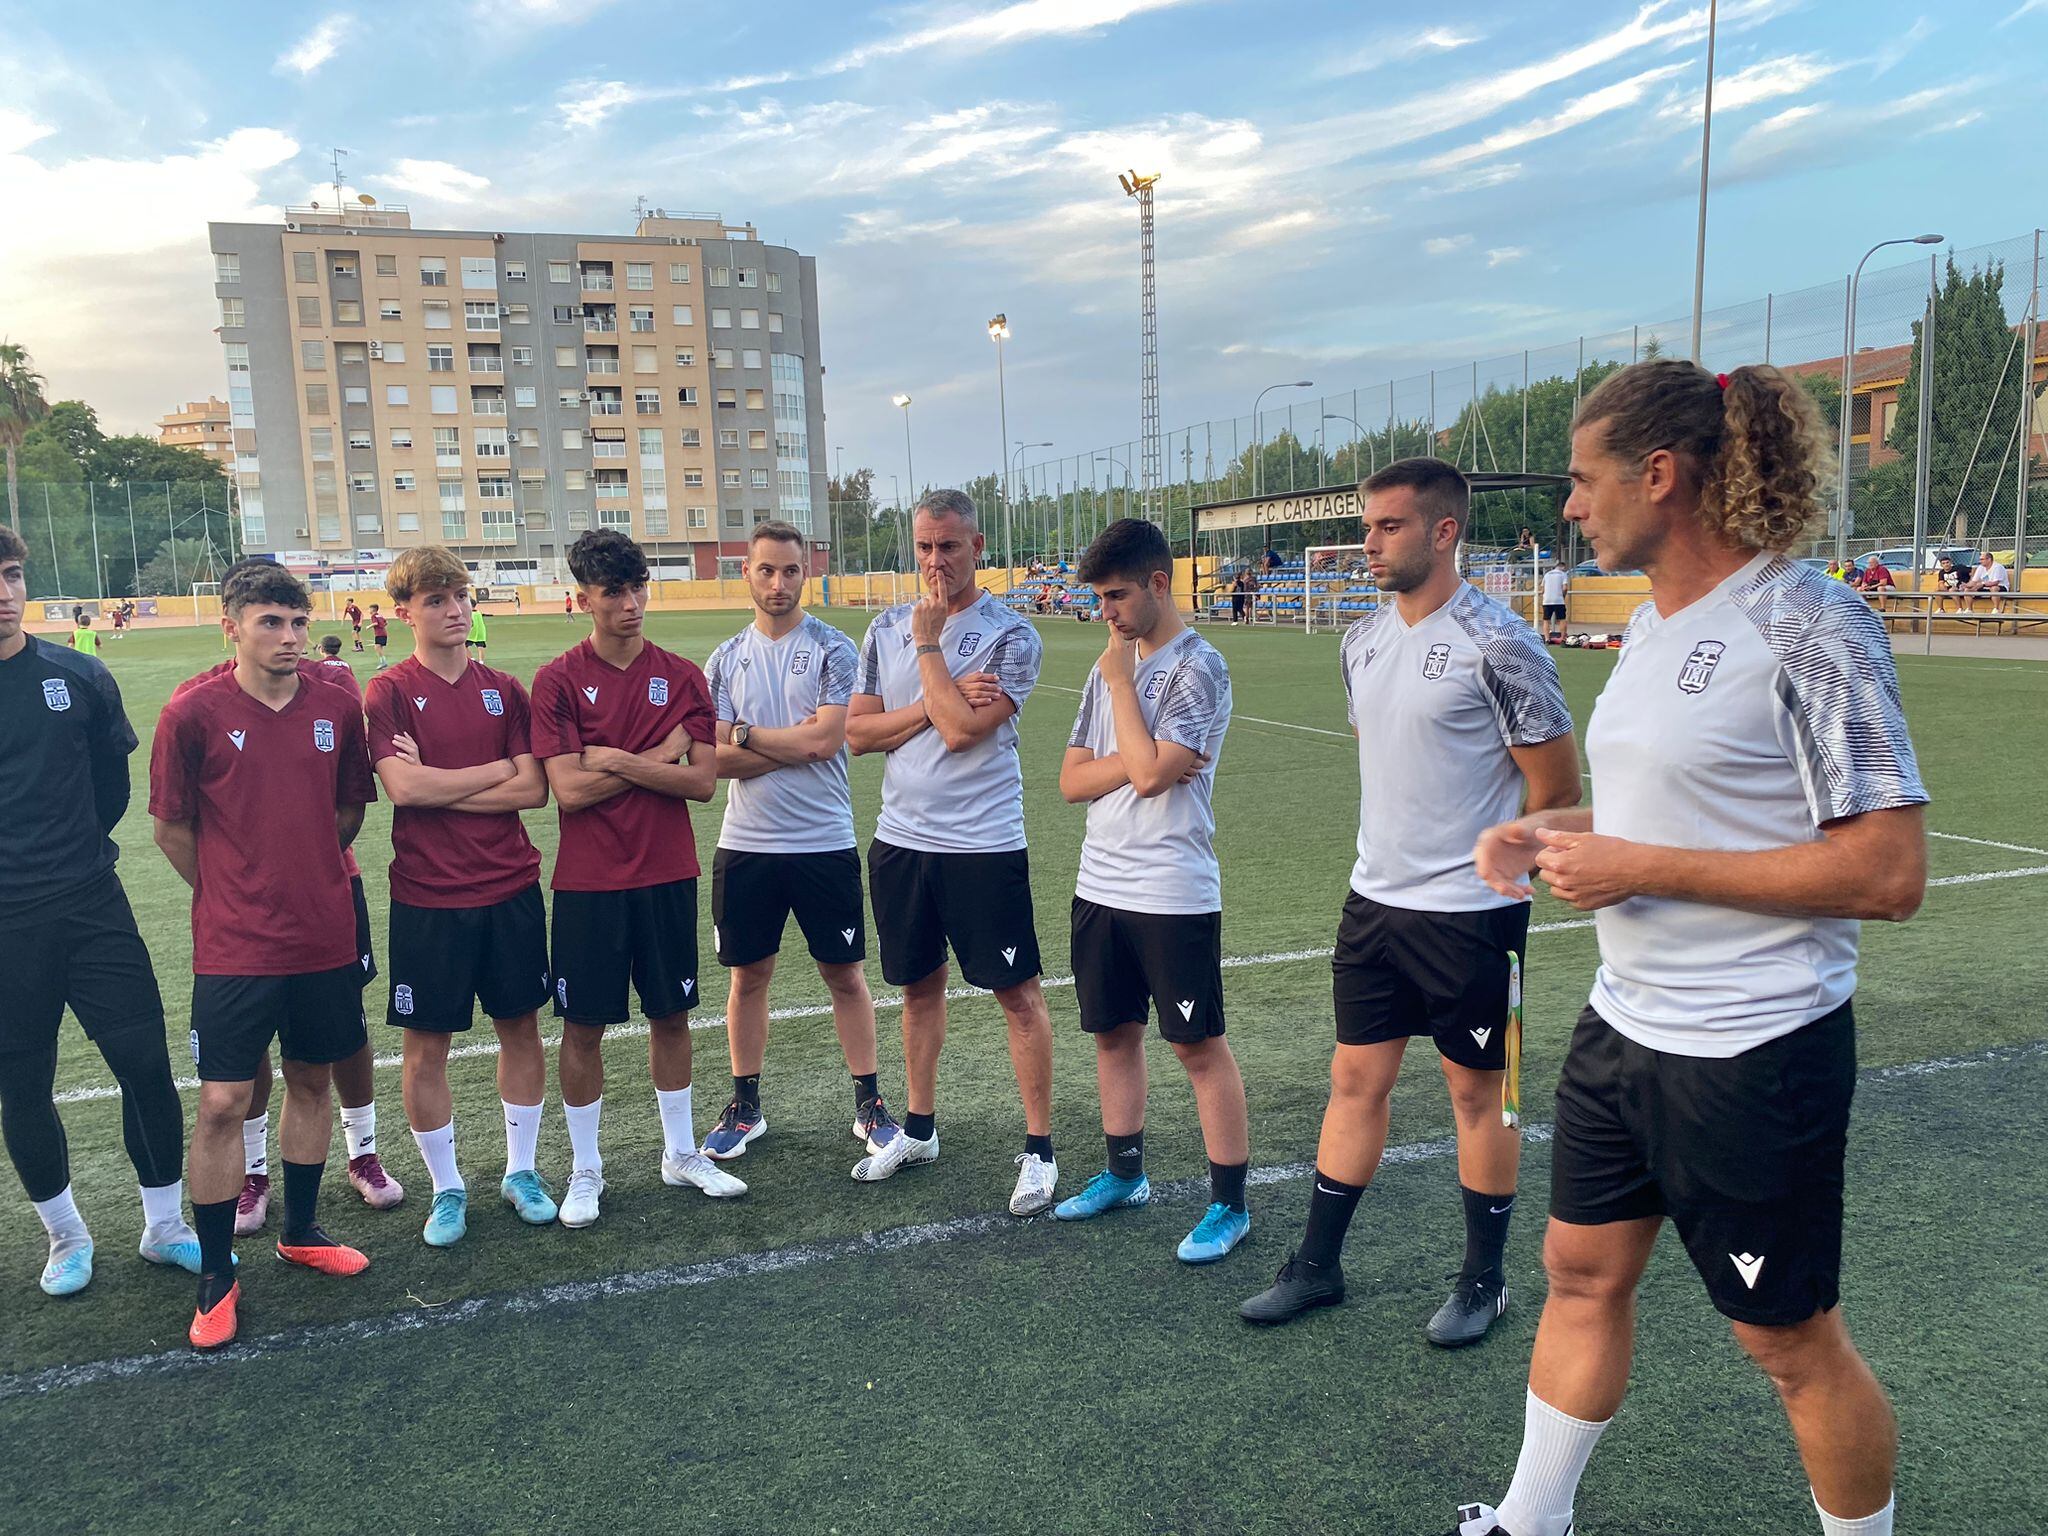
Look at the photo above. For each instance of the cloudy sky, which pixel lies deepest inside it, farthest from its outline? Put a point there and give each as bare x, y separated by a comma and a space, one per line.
1351, 190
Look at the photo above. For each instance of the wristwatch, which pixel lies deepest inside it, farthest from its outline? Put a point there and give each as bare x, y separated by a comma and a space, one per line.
740, 732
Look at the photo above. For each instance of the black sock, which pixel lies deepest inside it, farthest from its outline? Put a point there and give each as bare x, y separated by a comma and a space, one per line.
1127, 1155
1486, 1233
1040, 1145
214, 1221
301, 1199
919, 1127
747, 1091
864, 1088
1330, 1204
1226, 1184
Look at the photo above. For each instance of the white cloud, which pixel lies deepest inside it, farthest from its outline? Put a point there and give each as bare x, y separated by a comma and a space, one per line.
1767, 80
1894, 52
588, 103
317, 46
436, 178
1394, 50
1501, 255
877, 226
2026, 9
1609, 98
18, 130
1443, 245
1816, 133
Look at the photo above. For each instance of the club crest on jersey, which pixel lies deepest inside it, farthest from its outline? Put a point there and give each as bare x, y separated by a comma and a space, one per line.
56, 694
494, 702
323, 735
1438, 659
1698, 670
800, 663
1154, 685
401, 998
969, 641
657, 690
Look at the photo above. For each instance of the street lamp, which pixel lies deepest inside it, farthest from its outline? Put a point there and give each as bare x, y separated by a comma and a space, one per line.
1258, 441
1373, 455
1010, 469
999, 332
1848, 390
1115, 463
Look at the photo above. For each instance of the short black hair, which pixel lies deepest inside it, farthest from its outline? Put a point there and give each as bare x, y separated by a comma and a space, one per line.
265, 583
1129, 547
1442, 488
12, 545
779, 531
331, 644
606, 558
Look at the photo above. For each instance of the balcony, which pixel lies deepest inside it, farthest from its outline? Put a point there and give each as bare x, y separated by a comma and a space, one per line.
597, 327
609, 365
598, 282
487, 365
607, 408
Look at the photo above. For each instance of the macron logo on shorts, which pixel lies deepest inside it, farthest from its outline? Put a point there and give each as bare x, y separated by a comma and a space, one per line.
1010, 956
689, 985
847, 934
1749, 1266
1483, 1035
1187, 1008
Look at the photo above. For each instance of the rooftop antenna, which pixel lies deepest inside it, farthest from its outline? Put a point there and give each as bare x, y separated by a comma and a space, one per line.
338, 154
640, 208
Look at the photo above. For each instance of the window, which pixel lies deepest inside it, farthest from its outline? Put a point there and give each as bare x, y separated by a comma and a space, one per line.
572, 438
600, 317
647, 402
433, 272
517, 314
757, 440
721, 277
348, 311
728, 399
401, 437
529, 437
574, 479
525, 396
305, 267
437, 315
700, 517
650, 443
732, 517
515, 271
608, 448
620, 518
682, 314
775, 282
441, 399
320, 442
440, 359
362, 482
569, 399
643, 360
729, 478
344, 266
686, 357
757, 400
329, 524
309, 310
602, 360
490, 444
721, 319
640, 275
233, 312
405, 480
679, 271
369, 522
313, 356
408, 522
355, 394
397, 394
451, 493
607, 402
642, 317
448, 446
775, 321
454, 522
657, 523
760, 479
479, 315
479, 272
750, 358
388, 309
691, 437
316, 399
609, 484
597, 277
522, 357
750, 319
558, 272
728, 437
653, 488
564, 314
687, 395
721, 357
694, 479
227, 267
750, 277
486, 400
387, 266
358, 442
484, 357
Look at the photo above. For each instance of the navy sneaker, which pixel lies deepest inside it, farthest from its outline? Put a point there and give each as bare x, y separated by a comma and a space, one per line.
738, 1125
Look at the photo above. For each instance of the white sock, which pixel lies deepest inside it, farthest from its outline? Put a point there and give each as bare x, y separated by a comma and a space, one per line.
438, 1150
256, 1145
1555, 1449
163, 1206
678, 1128
359, 1126
60, 1216
582, 1119
1879, 1524
522, 1135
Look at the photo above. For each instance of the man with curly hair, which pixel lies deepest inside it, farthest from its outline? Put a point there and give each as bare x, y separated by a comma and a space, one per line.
1757, 796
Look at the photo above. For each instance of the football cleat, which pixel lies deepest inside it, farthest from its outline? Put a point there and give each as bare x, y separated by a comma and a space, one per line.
1105, 1192
874, 1125
1480, 1520
252, 1206
903, 1151
696, 1171
529, 1197
738, 1125
1299, 1287
379, 1190
215, 1326
316, 1250
174, 1244
70, 1268
1471, 1309
579, 1206
1220, 1230
448, 1220
1035, 1178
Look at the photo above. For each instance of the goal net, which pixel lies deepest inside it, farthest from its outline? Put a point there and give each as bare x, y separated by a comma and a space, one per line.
1334, 588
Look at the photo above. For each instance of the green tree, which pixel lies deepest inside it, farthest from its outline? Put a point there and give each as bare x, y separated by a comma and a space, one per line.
176, 564
22, 405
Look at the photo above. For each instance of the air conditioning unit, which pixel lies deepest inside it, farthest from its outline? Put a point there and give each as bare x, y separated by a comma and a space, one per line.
377, 350
300, 533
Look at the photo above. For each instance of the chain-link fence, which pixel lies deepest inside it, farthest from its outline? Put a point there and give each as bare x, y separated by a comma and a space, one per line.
153, 537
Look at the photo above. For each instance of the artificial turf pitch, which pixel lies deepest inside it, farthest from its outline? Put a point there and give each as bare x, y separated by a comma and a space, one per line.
829, 1356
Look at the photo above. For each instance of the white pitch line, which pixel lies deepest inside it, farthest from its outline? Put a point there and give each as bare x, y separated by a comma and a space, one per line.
1985, 842
748, 1266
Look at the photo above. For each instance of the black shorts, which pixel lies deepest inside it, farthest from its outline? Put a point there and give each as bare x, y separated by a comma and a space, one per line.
366, 958
445, 961
1553, 610
1743, 1153
317, 1018
980, 903
1401, 972
603, 939
753, 894
1127, 962
83, 950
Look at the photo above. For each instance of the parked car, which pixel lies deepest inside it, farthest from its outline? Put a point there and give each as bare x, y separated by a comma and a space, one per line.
1899, 561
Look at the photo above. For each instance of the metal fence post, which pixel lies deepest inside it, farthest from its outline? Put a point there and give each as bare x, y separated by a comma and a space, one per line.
1923, 458
2032, 333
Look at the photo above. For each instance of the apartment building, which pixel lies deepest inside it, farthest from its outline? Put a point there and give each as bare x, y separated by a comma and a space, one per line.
201, 425
502, 392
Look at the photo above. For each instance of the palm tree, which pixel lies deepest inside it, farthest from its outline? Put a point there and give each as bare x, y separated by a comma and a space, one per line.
22, 405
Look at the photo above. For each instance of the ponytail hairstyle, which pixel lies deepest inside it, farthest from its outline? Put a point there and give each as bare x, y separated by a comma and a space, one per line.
1751, 442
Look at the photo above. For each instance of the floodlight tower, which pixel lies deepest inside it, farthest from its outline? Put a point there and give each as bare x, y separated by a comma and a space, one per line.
1141, 187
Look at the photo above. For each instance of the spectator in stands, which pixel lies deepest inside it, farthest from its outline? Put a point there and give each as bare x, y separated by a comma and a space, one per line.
1989, 576
1835, 568
1526, 544
1272, 558
1874, 579
1947, 579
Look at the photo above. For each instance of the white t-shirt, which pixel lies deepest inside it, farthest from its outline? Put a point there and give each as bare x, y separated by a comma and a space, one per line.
1158, 855
1993, 574
1743, 721
800, 807
1553, 586
1436, 708
953, 802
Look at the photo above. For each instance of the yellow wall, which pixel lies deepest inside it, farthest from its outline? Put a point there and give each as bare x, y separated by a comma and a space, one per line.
1605, 602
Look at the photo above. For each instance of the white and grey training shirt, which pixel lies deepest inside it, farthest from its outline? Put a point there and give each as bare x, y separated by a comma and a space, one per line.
800, 807
953, 802
1436, 706
1747, 720
1158, 855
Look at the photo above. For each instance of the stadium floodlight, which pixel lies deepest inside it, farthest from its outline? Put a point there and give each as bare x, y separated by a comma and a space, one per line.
999, 332
909, 464
1848, 401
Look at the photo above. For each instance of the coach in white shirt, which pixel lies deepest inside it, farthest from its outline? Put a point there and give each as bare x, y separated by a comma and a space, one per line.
1555, 585
1755, 794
